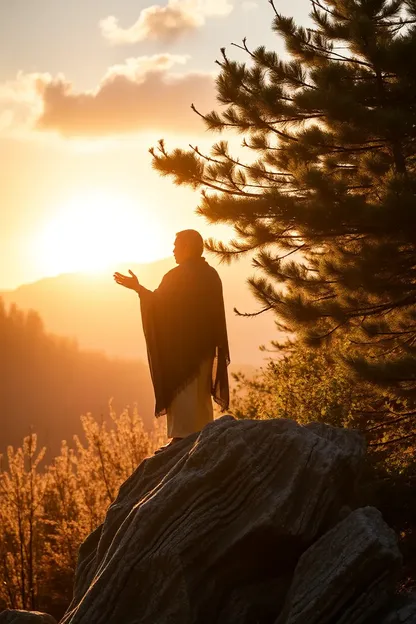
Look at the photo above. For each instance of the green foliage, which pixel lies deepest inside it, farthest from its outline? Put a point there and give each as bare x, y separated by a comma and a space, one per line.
46, 514
315, 385
310, 385
307, 385
325, 195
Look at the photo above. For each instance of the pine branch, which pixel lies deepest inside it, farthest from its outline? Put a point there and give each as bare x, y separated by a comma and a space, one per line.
330, 55
335, 14
266, 124
253, 314
399, 23
211, 183
391, 422
237, 163
253, 56
394, 441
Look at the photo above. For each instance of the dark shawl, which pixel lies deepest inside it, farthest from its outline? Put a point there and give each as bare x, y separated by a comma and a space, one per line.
184, 323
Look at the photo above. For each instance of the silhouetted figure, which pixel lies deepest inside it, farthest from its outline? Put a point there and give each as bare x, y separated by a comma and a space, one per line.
186, 336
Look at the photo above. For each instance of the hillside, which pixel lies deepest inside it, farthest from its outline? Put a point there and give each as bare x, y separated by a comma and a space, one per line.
47, 382
103, 316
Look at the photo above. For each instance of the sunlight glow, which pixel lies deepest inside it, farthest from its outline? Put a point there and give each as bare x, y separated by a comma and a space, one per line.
95, 231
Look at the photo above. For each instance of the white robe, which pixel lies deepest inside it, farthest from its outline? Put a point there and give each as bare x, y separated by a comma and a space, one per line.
192, 409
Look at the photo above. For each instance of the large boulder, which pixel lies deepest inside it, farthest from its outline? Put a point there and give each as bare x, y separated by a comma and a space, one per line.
348, 575
401, 611
231, 507
248, 522
14, 616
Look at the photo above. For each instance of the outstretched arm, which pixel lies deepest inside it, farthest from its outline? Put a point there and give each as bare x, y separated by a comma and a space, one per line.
130, 282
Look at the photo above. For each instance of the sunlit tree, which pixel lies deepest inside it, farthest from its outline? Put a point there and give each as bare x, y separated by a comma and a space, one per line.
46, 514
22, 488
325, 197
314, 385
311, 385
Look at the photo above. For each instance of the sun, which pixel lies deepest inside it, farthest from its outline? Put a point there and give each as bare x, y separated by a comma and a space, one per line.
94, 231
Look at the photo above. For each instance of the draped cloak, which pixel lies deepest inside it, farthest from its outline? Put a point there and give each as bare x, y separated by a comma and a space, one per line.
184, 324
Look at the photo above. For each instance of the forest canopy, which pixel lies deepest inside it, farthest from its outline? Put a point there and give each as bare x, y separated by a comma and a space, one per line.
47, 381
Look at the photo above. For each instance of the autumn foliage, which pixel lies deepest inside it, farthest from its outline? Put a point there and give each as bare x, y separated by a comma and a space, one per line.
46, 511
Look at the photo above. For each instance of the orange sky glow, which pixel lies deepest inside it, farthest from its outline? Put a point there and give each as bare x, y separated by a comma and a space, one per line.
78, 192
93, 231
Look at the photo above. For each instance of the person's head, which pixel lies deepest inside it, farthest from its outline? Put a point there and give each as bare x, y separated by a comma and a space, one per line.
188, 244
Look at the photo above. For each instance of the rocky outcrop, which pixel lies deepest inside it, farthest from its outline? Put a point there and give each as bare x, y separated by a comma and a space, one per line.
402, 611
248, 522
234, 505
346, 576
11, 616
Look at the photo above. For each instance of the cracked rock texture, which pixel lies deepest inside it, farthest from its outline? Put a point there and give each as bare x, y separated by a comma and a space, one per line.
247, 522
346, 576
11, 616
402, 611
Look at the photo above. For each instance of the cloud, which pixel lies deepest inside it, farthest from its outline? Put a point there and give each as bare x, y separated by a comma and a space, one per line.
165, 23
249, 5
20, 104
139, 95
147, 93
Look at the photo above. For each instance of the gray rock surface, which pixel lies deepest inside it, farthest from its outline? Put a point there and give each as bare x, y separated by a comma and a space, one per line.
233, 506
257, 603
248, 522
348, 575
402, 611
11, 616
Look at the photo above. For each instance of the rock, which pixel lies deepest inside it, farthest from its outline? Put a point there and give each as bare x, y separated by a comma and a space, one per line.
25, 617
258, 603
402, 611
352, 444
230, 508
347, 575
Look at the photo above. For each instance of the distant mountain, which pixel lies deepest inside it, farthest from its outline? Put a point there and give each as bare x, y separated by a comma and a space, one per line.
103, 316
47, 382
46, 388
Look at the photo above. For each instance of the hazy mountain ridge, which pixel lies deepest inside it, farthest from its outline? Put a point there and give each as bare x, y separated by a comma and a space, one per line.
47, 392
47, 382
103, 316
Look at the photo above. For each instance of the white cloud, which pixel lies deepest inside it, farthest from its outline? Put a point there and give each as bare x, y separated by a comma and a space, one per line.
249, 5
140, 95
165, 23
136, 69
21, 102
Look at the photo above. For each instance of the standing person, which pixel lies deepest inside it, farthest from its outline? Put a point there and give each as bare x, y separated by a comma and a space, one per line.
186, 336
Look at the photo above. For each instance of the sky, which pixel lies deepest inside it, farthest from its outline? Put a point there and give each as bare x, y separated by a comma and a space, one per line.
86, 88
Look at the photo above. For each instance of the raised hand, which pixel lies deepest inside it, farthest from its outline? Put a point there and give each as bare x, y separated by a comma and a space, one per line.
128, 282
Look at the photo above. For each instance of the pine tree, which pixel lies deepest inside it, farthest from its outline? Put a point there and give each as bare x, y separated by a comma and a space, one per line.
326, 197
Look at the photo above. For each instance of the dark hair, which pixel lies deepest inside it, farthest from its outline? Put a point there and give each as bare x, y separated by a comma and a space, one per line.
193, 239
